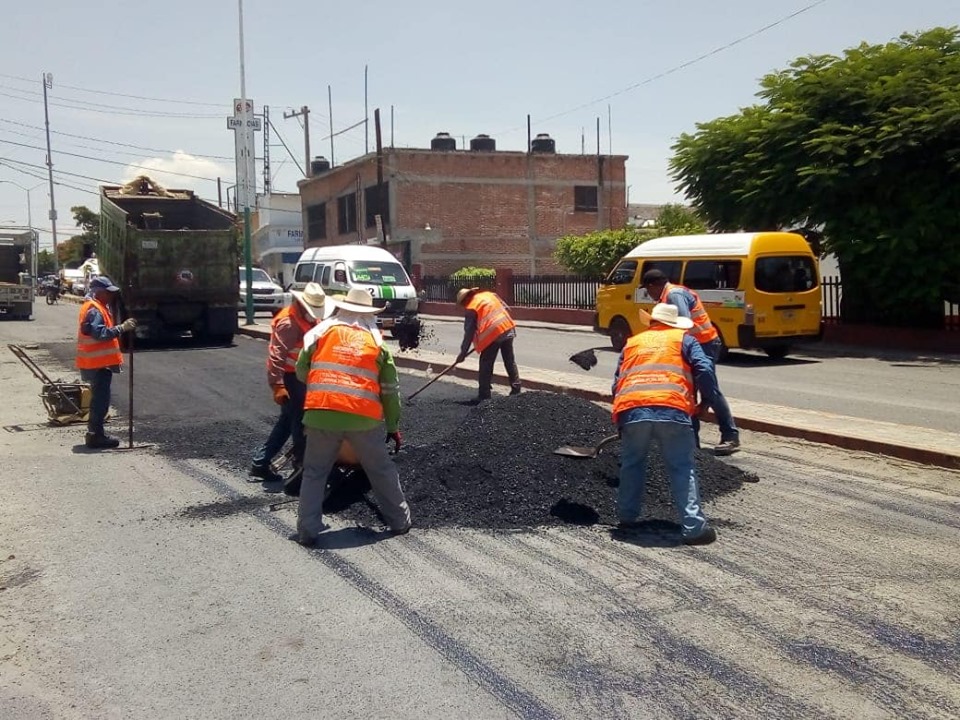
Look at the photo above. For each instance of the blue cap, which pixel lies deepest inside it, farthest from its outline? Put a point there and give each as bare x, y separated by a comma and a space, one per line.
102, 282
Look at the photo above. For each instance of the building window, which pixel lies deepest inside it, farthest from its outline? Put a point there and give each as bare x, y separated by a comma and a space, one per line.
347, 214
585, 198
317, 222
371, 204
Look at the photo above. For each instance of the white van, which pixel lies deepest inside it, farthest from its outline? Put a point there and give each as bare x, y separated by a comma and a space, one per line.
340, 267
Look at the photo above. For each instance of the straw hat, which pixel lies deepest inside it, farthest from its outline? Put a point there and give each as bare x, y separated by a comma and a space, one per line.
669, 315
358, 301
464, 293
314, 301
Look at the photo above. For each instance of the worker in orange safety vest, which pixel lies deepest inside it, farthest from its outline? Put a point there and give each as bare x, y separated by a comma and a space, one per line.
287, 331
353, 396
654, 399
487, 325
98, 356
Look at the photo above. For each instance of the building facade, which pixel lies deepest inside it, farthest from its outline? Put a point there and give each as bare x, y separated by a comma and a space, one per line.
277, 237
446, 208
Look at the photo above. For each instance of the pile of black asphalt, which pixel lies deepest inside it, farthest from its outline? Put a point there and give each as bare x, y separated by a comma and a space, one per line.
496, 469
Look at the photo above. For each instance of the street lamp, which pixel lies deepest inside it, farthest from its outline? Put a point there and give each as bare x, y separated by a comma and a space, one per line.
36, 235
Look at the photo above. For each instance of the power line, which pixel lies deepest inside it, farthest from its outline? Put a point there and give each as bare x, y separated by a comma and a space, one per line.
109, 162
113, 142
102, 108
41, 177
677, 68
280, 137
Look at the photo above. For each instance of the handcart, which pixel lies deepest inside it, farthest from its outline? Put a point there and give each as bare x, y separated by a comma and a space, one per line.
66, 402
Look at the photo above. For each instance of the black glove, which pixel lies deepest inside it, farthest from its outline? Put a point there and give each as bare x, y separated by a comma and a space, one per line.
460, 358
397, 441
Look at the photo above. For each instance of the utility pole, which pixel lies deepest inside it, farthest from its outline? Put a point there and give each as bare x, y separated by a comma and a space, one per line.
305, 113
266, 150
245, 182
383, 212
330, 107
366, 114
48, 83
35, 235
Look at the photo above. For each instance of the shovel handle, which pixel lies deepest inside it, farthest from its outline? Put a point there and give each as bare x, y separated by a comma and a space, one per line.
433, 380
606, 441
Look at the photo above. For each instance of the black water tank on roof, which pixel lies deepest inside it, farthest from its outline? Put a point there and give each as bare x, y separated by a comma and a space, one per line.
543, 143
319, 165
443, 141
483, 143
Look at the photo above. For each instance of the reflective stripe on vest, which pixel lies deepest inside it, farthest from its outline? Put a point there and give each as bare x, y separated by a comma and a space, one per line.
654, 373
344, 375
493, 319
293, 354
703, 330
93, 354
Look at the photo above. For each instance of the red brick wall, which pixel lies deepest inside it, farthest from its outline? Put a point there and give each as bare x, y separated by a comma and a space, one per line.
499, 209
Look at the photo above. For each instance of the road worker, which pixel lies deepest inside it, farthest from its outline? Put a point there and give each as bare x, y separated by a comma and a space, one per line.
654, 399
487, 326
688, 305
286, 341
353, 394
98, 355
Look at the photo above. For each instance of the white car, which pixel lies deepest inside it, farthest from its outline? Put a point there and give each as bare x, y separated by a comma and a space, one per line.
267, 294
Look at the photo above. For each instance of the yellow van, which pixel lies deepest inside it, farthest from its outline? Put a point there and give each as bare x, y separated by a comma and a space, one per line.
761, 290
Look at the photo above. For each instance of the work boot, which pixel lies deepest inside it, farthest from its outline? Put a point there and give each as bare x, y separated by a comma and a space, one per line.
99, 441
727, 447
263, 472
515, 390
291, 486
706, 536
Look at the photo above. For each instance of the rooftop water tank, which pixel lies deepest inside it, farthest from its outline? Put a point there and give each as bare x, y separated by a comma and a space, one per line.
319, 165
483, 143
443, 141
543, 143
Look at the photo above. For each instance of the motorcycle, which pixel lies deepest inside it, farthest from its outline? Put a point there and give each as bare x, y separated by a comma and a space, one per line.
52, 294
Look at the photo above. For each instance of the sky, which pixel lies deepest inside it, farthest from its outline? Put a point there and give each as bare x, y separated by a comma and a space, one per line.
151, 84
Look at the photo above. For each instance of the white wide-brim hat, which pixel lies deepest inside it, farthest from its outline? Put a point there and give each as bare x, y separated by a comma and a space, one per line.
358, 301
668, 315
314, 300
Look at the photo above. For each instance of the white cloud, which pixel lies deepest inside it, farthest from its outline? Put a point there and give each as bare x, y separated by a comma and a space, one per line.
162, 169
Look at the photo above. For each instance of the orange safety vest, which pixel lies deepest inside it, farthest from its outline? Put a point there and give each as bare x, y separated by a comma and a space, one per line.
290, 364
654, 373
493, 319
344, 375
93, 354
703, 330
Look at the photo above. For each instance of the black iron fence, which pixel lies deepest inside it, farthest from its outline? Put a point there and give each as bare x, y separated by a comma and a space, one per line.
580, 293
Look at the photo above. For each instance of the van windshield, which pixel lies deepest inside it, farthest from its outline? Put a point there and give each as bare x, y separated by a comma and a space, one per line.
378, 273
785, 274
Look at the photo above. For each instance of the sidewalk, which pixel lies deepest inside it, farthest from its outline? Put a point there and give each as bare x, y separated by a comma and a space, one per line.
922, 445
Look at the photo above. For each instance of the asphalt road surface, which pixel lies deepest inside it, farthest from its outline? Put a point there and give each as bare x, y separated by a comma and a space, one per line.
156, 583
893, 387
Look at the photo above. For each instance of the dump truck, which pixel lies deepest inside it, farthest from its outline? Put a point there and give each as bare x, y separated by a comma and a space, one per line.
174, 258
16, 282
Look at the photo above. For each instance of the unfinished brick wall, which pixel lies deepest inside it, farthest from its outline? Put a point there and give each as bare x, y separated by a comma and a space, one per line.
488, 209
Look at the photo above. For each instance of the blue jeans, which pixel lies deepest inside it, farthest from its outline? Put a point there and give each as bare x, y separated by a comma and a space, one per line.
100, 381
677, 445
720, 407
289, 424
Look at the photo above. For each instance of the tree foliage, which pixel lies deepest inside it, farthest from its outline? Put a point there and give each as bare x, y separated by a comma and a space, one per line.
80, 247
866, 148
596, 253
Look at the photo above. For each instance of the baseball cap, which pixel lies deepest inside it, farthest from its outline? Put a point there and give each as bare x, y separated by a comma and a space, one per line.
102, 282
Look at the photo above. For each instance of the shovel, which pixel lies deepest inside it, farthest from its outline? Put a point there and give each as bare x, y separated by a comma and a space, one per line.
585, 452
432, 381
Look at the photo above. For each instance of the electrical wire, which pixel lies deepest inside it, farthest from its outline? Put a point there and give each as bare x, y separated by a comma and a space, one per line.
109, 162
35, 97
676, 68
110, 142
284, 142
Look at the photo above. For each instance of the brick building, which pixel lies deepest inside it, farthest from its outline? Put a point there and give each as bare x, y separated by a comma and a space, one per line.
451, 208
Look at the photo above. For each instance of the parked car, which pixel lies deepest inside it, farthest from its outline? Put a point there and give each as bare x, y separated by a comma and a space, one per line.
267, 293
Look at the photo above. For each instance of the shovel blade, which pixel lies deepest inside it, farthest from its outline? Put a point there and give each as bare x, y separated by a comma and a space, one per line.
576, 452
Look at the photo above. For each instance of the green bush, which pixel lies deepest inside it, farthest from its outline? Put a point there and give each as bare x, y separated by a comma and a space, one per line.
474, 272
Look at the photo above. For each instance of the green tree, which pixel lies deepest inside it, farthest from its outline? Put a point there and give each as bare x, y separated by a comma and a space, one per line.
676, 219
865, 148
80, 247
44, 262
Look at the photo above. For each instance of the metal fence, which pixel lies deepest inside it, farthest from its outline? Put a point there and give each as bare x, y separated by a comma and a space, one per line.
580, 293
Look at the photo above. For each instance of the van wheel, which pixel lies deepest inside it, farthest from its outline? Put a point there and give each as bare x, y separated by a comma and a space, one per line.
619, 333
778, 352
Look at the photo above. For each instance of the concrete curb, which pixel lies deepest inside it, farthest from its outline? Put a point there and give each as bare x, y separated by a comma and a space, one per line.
913, 453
